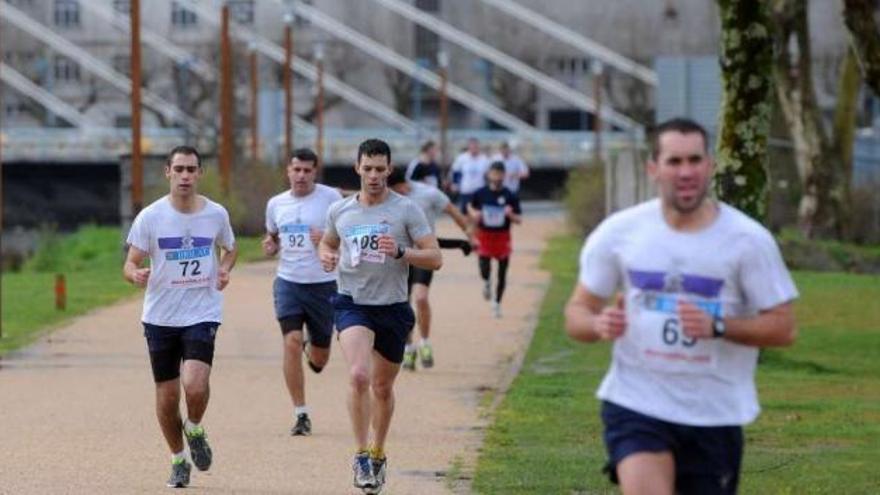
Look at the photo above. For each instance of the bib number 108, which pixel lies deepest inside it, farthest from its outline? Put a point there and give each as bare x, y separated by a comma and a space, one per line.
365, 242
672, 334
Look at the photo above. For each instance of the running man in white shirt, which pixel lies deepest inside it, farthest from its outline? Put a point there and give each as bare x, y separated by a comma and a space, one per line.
702, 287
373, 237
469, 173
180, 233
515, 169
433, 203
303, 291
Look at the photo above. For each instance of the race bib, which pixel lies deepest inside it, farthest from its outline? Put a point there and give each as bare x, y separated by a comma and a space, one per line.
494, 216
363, 243
295, 239
189, 262
662, 344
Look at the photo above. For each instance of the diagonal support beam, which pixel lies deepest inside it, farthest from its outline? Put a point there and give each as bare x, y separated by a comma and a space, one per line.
576, 40
265, 46
50, 102
407, 66
92, 64
473, 45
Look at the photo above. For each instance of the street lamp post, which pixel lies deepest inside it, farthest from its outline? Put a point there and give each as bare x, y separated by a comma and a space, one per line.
288, 83
443, 63
227, 130
255, 104
319, 101
137, 164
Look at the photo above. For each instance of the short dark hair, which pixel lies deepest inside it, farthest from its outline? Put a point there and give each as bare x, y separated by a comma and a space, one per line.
398, 176
427, 146
374, 147
304, 155
183, 150
497, 165
677, 124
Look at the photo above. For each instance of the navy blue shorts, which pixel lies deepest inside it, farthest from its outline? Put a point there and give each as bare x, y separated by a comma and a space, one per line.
311, 305
390, 323
707, 458
169, 346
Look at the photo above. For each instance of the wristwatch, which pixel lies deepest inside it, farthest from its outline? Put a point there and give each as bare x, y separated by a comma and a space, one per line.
719, 329
400, 252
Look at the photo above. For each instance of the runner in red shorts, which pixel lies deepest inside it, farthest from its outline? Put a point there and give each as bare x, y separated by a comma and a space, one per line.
493, 208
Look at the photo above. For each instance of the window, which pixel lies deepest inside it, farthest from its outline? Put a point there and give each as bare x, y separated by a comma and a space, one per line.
242, 11
181, 17
122, 64
67, 13
122, 6
65, 69
427, 42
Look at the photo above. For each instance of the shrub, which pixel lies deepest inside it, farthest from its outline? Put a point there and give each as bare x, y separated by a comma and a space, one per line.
585, 198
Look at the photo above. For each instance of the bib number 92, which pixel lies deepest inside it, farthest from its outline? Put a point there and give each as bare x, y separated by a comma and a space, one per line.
296, 240
672, 334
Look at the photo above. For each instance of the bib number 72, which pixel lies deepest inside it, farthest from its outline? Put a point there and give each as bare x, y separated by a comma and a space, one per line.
672, 334
194, 264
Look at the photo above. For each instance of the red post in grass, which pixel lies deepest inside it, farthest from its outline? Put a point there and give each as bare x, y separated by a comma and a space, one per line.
60, 292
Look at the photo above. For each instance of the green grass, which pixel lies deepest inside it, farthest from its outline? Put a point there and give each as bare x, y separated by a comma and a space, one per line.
819, 432
91, 260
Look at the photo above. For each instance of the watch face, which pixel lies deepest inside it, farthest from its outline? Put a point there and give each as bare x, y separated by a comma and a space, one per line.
718, 328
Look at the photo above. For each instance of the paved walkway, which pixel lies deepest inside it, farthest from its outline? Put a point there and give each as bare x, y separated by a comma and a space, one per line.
77, 407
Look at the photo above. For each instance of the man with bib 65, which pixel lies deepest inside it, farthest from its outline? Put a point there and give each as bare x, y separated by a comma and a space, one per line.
702, 287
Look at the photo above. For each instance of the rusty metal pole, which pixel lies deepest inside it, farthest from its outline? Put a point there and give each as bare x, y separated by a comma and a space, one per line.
443, 63
255, 104
1, 235
319, 102
288, 87
137, 161
227, 131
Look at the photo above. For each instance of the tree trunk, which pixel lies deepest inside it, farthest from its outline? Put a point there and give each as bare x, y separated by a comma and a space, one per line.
746, 77
820, 209
859, 18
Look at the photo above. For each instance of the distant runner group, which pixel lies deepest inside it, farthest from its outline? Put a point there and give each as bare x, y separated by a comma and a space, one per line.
350, 263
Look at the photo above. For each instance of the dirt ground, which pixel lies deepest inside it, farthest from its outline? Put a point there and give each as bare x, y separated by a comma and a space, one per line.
77, 407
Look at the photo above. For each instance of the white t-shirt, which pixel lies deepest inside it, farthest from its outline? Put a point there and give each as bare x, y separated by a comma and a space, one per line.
292, 218
514, 167
473, 171
732, 268
182, 288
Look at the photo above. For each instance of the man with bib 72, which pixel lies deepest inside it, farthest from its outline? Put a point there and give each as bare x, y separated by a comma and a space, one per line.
702, 288
180, 234
373, 237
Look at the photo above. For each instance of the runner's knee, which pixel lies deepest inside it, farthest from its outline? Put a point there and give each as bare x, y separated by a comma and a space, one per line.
360, 378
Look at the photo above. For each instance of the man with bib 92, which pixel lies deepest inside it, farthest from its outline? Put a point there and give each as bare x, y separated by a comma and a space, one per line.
702, 287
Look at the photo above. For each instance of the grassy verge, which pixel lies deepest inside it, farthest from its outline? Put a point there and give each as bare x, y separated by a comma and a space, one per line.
818, 434
91, 261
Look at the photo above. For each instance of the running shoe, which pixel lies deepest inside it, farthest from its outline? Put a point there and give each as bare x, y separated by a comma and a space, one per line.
179, 474
199, 449
426, 356
409, 360
363, 472
466, 248
307, 352
378, 466
487, 291
303, 426
496, 309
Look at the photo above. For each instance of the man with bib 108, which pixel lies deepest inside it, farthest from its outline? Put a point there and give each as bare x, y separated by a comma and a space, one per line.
373, 237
